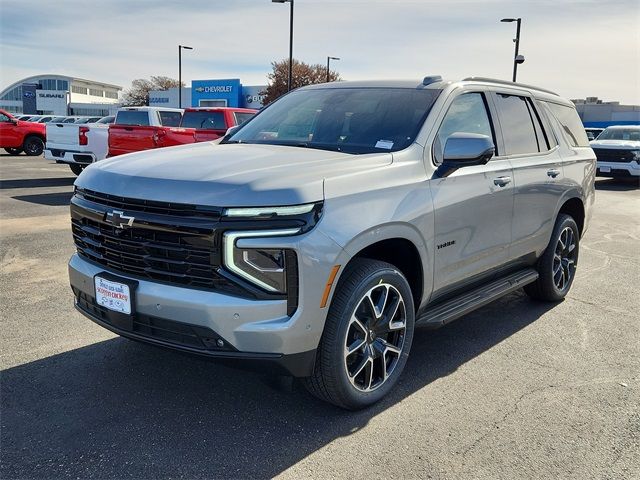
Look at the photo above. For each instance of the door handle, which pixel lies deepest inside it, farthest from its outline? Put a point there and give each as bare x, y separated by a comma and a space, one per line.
501, 181
553, 173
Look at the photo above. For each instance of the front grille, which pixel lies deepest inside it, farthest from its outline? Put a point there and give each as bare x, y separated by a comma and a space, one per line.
176, 250
149, 206
614, 155
167, 331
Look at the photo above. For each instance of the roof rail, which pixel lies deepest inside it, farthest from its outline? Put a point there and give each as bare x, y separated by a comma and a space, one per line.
506, 82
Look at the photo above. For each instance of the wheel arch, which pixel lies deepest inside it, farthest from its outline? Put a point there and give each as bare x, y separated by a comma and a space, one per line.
574, 206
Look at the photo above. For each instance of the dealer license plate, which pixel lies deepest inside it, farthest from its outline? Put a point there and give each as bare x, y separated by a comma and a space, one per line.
115, 296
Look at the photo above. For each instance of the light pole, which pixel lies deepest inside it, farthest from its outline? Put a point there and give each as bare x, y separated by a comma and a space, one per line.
517, 59
289, 83
329, 60
180, 48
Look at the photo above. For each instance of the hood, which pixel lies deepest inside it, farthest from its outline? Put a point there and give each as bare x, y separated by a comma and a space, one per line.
615, 144
240, 175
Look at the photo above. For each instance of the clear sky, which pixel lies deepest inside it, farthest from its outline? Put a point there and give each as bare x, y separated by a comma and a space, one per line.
576, 47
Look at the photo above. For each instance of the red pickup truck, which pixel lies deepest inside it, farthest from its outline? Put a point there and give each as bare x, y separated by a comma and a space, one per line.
17, 136
143, 128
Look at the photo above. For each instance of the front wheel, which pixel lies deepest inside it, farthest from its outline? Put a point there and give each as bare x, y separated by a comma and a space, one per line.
367, 336
33, 146
557, 266
13, 151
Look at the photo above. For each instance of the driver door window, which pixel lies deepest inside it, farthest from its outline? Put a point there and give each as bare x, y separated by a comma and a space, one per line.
467, 114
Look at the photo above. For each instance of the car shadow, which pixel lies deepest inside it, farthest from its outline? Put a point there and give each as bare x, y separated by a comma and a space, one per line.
618, 184
37, 182
49, 199
119, 409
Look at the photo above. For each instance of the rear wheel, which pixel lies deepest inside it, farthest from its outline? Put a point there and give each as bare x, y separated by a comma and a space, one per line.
13, 151
367, 336
33, 146
75, 168
557, 266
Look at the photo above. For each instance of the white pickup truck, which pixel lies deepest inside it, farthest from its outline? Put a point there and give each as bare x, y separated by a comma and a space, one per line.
78, 145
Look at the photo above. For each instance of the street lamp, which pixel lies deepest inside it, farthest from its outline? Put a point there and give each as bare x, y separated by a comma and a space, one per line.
289, 83
328, 60
180, 48
517, 59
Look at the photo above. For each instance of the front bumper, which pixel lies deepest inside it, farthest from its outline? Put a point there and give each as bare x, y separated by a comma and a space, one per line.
190, 320
618, 169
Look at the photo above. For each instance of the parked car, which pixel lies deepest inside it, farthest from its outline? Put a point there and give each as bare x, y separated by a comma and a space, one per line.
315, 238
593, 132
57, 120
17, 136
77, 144
24, 118
82, 120
108, 119
618, 151
44, 119
143, 128
212, 123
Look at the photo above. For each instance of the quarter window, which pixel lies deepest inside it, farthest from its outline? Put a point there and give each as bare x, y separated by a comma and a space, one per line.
467, 114
571, 124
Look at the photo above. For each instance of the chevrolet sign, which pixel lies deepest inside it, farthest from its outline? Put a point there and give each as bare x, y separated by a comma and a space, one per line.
216, 89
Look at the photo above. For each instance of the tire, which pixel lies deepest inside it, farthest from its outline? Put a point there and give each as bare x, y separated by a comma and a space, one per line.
33, 146
557, 266
75, 168
13, 151
356, 380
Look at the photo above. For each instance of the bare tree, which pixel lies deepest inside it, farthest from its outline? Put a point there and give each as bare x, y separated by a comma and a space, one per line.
138, 94
302, 74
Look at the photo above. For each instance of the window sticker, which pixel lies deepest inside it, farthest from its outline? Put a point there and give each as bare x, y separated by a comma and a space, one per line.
386, 144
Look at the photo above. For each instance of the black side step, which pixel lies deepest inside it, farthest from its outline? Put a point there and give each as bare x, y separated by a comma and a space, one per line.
450, 310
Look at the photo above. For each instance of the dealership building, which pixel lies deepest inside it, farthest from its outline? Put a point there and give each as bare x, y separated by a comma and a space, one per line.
598, 113
60, 95
211, 93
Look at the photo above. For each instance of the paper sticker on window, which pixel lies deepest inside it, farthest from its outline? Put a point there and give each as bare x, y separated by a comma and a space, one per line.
386, 144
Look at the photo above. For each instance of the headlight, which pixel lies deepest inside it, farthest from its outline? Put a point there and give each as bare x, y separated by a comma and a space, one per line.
636, 155
264, 267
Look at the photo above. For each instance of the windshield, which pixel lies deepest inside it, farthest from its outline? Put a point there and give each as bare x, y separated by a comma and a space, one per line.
632, 134
350, 120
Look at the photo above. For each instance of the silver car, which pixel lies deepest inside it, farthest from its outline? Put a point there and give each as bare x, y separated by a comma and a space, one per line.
316, 237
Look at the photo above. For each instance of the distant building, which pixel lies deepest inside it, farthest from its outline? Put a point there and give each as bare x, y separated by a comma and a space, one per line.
210, 93
60, 95
595, 112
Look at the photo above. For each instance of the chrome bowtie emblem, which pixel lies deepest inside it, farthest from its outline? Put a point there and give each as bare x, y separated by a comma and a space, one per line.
119, 219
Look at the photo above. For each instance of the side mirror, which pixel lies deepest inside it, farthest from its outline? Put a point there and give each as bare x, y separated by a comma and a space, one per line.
230, 131
464, 149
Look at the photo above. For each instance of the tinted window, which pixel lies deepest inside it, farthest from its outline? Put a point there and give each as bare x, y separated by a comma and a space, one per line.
204, 120
3, 118
518, 130
170, 119
132, 117
351, 120
467, 114
571, 124
242, 117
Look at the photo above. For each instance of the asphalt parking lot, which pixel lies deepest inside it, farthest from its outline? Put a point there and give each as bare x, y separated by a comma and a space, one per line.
515, 390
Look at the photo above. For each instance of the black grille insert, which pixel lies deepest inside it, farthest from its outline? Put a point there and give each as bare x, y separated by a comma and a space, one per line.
614, 155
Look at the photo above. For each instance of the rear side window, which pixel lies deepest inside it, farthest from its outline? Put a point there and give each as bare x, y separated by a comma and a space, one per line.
242, 117
518, 130
132, 117
170, 119
204, 120
570, 123
467, 114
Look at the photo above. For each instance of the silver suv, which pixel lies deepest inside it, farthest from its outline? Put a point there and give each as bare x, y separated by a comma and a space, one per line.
315, 238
